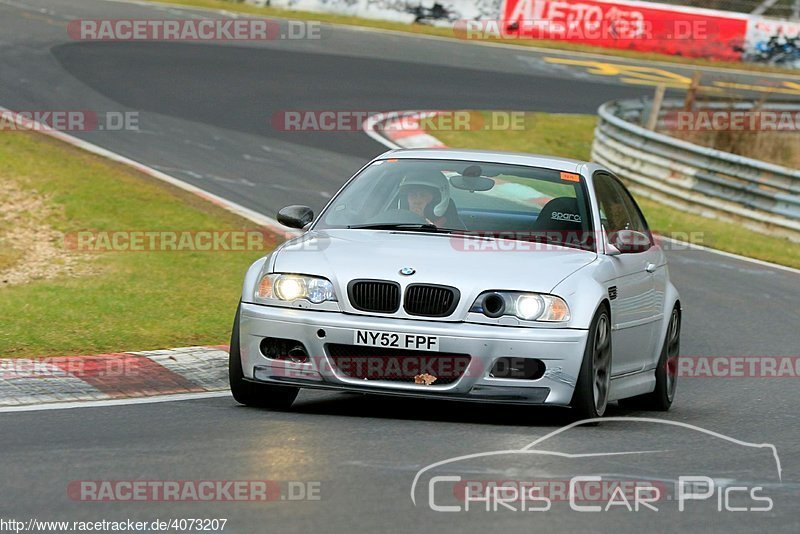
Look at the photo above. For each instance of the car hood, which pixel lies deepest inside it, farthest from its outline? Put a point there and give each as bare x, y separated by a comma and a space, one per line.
472, 265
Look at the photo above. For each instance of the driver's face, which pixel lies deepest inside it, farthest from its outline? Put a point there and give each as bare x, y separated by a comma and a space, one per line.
418, 199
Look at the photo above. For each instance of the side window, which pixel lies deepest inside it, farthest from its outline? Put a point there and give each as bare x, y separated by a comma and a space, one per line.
637, 222
614, 214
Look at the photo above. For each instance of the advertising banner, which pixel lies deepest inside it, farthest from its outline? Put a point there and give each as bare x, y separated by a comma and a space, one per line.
638, 26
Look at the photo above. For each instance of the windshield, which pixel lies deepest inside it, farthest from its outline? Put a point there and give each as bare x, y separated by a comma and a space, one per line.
486, 199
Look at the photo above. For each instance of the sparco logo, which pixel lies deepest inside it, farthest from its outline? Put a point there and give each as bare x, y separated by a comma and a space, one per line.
559, 216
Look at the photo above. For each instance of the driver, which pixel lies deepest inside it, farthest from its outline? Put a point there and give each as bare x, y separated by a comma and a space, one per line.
427, 194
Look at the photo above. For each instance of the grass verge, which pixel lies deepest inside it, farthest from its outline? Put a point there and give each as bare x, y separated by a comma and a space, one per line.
124, 300
426, 29
9, 255
571, 136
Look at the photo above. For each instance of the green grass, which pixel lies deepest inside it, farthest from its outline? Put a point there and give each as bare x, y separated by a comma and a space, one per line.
425, 29
133, 300
571, 136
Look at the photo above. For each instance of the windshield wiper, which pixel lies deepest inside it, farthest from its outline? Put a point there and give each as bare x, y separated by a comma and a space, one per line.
413, 227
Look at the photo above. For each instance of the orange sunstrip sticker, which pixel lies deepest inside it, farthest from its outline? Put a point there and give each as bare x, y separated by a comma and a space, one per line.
391, 160
570, 177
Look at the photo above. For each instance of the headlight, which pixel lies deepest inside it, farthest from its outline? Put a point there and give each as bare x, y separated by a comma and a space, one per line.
525, 306
291, 287
529, 307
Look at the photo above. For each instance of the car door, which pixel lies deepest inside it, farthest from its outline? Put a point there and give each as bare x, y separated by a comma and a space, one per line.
657, 268
632, 291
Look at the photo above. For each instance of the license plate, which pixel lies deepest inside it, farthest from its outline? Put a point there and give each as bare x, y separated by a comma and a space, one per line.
393, 340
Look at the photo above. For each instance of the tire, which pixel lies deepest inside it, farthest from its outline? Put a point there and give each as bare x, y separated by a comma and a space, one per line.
249, 393
590, 398
666, 373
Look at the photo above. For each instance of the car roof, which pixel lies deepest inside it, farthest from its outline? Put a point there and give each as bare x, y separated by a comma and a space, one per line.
488, 156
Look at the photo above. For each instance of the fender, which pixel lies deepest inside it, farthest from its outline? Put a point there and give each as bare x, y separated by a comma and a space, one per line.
251, 278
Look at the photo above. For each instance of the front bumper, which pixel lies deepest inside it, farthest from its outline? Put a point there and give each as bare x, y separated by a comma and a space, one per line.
560, 349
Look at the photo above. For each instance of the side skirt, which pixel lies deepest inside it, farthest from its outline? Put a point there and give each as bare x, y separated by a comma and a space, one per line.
632, 384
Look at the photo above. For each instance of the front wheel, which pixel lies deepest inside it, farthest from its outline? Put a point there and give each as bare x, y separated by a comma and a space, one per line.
249, 393
666, 373
590, 399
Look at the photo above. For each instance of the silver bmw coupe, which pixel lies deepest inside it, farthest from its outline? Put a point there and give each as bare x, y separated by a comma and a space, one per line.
464, 275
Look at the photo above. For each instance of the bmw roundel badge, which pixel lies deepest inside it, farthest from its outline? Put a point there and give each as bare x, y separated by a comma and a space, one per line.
407, 271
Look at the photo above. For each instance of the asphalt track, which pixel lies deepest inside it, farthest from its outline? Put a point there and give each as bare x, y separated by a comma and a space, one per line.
205, 118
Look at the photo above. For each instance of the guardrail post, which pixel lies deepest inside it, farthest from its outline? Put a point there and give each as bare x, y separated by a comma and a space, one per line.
691, 94
658, 100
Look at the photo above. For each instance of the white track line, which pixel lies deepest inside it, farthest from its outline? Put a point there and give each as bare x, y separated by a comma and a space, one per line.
115, 402
369, 128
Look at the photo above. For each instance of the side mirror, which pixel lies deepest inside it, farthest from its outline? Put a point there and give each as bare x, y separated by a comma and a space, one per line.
295, 216
630, 241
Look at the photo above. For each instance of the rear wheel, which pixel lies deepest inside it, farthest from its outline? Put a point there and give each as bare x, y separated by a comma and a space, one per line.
590, 399
666, 372
249, 393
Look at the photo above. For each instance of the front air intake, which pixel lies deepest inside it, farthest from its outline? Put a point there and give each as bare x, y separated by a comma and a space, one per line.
378, 296
429, 300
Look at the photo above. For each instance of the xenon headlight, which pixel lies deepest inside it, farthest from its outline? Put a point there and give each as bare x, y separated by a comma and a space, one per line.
525, 306
291, 287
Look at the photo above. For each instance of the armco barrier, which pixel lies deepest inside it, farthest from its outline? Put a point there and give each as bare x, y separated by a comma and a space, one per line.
762, 196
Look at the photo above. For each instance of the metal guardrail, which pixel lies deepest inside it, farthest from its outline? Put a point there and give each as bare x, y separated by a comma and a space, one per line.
762, 196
